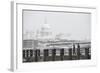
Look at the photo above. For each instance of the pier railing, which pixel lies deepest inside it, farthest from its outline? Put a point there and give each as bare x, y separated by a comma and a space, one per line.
75, 53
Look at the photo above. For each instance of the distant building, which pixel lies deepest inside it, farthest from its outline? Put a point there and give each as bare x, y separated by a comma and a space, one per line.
43, 38
45, 32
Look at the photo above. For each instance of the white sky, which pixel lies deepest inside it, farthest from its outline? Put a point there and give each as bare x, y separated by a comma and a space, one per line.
77, 25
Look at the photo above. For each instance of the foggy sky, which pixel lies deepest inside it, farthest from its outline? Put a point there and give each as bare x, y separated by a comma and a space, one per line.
76, 25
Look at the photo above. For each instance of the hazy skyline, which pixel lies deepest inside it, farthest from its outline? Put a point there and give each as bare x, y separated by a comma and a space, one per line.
76, 25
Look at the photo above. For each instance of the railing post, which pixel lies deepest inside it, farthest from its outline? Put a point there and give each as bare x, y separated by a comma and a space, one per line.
74, 49
46, 54
87, 53
78, 51
24, 54
62, 54
70, 54
31, 53
37, 55
28, 53
53, 54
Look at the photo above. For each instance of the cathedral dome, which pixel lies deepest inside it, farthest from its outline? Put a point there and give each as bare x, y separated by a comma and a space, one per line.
46, 26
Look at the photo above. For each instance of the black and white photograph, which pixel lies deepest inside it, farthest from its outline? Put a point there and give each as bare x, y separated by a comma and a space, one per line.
49, 35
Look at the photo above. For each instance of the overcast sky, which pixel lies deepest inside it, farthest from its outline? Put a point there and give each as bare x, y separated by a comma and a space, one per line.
76, 25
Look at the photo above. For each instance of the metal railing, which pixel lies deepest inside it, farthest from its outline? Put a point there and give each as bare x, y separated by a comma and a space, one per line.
54, 54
